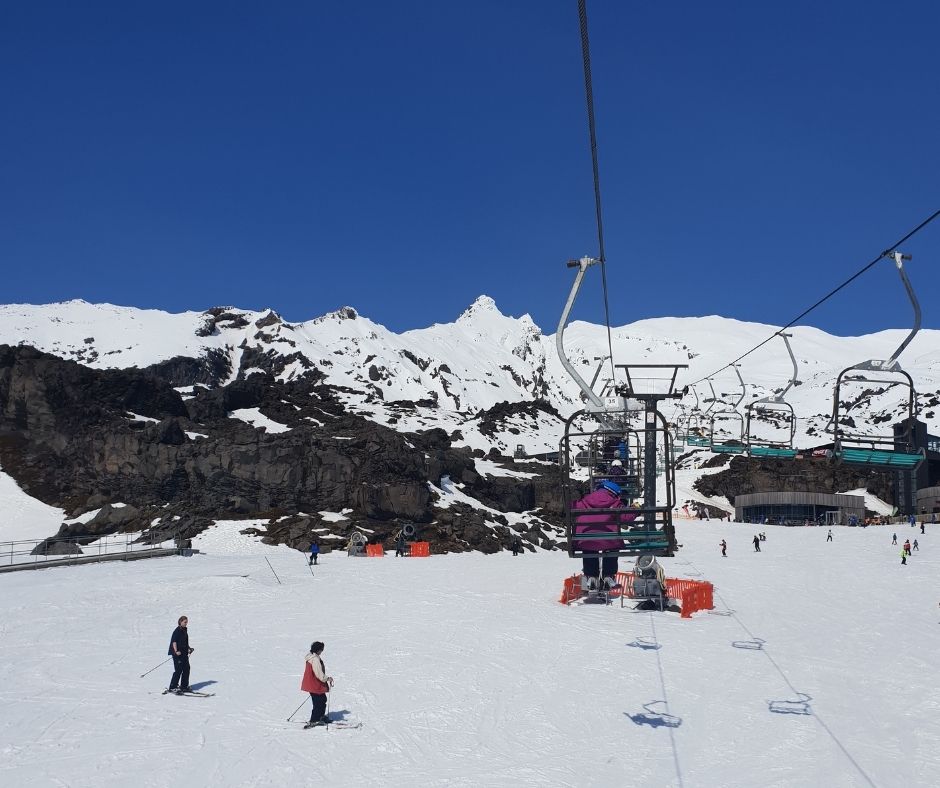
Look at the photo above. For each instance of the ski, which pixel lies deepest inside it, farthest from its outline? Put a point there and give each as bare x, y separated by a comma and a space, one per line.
191, 692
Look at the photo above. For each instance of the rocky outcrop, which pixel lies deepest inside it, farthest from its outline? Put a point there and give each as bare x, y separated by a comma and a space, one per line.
746, 475
210, 369
495, 419
74, 437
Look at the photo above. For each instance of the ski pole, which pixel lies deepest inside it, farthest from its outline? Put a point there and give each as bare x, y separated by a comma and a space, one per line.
272, 570
295, 711
158, 666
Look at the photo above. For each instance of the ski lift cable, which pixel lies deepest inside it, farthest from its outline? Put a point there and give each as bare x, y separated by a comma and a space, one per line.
589, 96
886, 253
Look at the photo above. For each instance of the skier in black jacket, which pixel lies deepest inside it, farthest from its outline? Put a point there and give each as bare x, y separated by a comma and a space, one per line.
180, 651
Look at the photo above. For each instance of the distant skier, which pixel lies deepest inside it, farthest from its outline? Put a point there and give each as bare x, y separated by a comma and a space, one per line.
912, 520
922, 528
606, 496
894, 538
400, 544
317, 683
180, 651
314, 552
903, 556
763, 536
829, 536
516, 545
915, 545
724, 548
756, 543
907, 546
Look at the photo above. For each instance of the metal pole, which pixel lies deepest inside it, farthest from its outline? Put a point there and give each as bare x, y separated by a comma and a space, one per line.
295, 711
649, 465
158, 666
272, 570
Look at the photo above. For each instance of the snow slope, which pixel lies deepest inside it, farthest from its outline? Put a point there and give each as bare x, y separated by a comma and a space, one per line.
23, 517
816, 669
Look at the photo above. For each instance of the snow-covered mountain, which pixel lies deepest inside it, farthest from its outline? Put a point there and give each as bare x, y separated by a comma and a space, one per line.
444, 375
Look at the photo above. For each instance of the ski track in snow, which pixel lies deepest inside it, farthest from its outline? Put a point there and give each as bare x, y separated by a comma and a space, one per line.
816, 668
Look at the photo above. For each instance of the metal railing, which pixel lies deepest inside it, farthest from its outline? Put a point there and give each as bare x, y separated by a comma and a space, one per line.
25, 551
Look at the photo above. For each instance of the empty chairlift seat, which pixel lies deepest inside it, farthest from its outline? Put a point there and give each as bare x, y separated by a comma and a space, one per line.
878, 458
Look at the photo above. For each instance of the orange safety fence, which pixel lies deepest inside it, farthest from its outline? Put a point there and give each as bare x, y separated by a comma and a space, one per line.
375, 550
420, 549
693, 595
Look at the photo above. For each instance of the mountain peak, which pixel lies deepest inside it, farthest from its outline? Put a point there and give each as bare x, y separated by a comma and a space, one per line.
343, 313
484, 305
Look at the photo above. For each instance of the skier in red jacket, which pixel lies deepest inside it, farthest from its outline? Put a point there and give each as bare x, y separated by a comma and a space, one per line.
317, 683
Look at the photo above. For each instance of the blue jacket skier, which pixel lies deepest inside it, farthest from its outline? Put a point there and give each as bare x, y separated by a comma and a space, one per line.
314, 552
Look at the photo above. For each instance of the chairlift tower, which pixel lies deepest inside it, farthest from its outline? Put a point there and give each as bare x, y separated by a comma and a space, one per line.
653, 421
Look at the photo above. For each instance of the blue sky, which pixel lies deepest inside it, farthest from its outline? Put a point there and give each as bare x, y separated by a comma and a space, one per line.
404, 158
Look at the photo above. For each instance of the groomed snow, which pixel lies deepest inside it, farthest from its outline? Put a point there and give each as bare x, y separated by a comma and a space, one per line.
817, 669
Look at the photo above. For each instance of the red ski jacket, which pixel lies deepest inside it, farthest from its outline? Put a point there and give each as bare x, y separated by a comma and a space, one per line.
310, 683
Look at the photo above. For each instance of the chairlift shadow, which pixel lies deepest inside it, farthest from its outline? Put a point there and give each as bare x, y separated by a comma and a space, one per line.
339, 715
201, 684
800, 706
655, 719
757, 644
646, 644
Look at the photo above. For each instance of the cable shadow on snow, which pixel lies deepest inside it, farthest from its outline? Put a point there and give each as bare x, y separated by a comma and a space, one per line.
655, 719
799, 706
645, 643
757, 644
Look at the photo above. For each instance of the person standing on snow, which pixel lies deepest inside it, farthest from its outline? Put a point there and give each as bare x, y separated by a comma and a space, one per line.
724, 548
894, 538
903, 557
314, 552
915, 545
756, 543
606, 496
180, 651
829, 536
922, 528
317, 683
907, 546
400, 544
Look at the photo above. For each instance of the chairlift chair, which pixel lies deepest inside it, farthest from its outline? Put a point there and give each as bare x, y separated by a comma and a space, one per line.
728, 414
896, 451
775, 403
697, 436
615, 415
